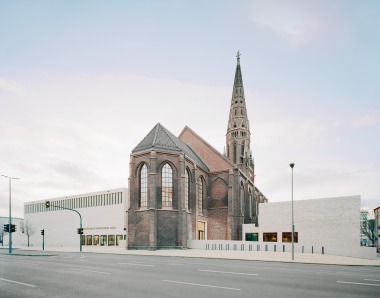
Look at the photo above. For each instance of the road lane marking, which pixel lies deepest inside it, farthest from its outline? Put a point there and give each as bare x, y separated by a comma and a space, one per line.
372, 279
201, 285
357, 283
134, 264
19, 283
28, 263
226, 272
93, 271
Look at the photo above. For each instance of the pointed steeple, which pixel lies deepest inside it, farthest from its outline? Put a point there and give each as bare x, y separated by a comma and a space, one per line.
238, 137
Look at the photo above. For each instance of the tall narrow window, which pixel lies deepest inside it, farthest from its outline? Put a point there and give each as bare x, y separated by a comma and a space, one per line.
200, 195
144, 186
241, 199
167, 186
250, 203
234, 153
187, 189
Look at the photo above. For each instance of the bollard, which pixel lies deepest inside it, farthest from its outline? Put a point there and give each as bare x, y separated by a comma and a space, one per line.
266, 247
312, 249
302, 248
283, 248
275, 248
323, 250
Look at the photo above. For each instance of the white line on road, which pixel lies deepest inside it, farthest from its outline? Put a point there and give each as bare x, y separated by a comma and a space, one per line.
372, 279
200, 285
134, 264
226, 272
17, 282
93, 271
27, 263
357, 283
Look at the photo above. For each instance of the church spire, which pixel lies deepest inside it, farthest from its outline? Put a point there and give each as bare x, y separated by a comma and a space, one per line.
238, 137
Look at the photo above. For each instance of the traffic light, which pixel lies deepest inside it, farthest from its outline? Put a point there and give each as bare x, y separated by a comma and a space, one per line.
43, 232
6, 228
13, 228
80, 231
47, 204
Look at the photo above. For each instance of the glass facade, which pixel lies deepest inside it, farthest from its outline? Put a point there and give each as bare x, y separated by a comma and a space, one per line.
96, 240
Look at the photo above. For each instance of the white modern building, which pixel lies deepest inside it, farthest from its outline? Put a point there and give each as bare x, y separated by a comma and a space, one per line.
330, 226
103, 219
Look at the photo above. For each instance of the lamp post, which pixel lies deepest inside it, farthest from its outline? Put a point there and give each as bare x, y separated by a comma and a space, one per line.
10, 211
292, 166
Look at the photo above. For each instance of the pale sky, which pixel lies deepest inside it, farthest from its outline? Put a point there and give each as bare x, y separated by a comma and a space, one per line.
82, 83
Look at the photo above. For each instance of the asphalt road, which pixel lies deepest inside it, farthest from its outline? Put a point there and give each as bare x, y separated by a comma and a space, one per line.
105, 275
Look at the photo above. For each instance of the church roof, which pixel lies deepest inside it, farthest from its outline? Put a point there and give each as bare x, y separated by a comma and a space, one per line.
159, 138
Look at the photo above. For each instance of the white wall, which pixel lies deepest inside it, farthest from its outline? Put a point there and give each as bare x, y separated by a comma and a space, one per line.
61, 225
332, 223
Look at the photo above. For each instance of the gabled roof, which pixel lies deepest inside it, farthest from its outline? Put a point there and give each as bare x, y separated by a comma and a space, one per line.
159, 138
212, 157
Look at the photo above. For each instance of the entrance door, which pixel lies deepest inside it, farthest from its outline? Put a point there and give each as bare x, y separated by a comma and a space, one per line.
201, 230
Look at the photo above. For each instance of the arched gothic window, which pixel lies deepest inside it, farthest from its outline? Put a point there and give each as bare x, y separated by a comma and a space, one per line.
144, 186
167, 186
250, 203
234, 153
187, 189
241, 199
200, 195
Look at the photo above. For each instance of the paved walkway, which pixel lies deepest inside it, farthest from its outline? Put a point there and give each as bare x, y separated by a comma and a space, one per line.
198, 253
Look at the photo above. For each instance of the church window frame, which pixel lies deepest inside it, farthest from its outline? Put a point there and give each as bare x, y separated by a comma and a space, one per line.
242, 196
201, 193
234, 152
143, 202
187, 188
167, 186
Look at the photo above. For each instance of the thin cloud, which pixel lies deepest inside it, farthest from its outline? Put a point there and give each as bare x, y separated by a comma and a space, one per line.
369, 119
295, 22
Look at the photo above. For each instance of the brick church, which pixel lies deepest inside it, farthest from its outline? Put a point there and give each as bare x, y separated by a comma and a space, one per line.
182, 188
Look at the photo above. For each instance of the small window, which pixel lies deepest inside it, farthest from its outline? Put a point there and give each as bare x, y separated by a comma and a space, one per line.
96, 239
287, 237
118, 239
251, 236
83, 239
270, 237
111, 240
89, 239
103, 240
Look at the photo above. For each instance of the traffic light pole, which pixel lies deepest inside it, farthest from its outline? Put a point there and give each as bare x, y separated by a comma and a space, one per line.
80, 224
43, 240
10, 211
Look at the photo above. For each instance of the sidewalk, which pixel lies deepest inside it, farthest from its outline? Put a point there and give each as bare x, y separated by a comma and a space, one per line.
212, 254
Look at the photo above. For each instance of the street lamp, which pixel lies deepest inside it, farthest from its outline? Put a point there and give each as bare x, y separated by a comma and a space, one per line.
292, 166
10, 211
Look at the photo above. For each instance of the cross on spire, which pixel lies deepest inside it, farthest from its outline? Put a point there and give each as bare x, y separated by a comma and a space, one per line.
238, 55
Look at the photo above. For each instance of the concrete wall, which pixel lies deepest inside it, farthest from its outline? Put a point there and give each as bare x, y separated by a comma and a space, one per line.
331, 223
61, 225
